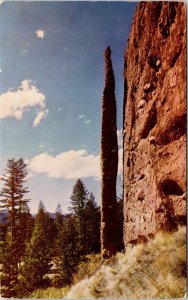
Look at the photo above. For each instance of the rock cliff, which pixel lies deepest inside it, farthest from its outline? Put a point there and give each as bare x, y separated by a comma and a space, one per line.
109, 162
155, 121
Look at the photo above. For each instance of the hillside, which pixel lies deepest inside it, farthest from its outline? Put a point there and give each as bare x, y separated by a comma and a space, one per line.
155, 270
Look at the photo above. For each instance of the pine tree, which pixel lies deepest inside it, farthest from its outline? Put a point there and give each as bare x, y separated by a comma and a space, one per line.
92, 225
68, 253
59, 218
78, 201
13, 193
9, 278
38, 254
12, 199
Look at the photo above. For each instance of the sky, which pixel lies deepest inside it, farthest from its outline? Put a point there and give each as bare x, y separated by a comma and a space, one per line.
51, 85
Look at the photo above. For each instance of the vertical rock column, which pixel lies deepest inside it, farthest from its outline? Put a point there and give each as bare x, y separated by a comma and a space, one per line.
109, 162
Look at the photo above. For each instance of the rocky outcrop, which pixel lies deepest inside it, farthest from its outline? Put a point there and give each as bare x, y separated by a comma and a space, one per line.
109, 162
155, 121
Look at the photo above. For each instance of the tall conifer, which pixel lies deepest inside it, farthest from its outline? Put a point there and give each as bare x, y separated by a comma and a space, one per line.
39, 252
14, 203
78, 203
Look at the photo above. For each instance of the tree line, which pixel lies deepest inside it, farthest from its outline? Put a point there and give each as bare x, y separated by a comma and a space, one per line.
33, 247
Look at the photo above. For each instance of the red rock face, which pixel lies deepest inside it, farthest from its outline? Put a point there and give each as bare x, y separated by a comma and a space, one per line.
155, 121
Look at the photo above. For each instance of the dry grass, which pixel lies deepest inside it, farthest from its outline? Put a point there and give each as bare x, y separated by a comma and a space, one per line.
88, 268
49, 293
155, 270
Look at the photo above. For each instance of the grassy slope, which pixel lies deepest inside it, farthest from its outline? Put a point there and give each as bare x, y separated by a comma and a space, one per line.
153, 270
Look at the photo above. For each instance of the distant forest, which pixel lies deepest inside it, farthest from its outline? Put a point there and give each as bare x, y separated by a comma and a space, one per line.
44, 250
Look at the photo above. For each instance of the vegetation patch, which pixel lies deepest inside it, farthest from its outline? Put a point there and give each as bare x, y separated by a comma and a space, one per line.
155, 270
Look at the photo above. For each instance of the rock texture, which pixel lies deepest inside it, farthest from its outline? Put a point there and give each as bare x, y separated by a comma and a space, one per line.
109, 162
155, 121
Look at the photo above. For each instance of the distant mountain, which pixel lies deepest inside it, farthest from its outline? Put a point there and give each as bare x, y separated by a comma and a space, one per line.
3, 217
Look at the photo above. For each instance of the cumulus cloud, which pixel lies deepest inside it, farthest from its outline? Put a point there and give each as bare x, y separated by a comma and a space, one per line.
40, 115
40, 33
14, 103
68, 165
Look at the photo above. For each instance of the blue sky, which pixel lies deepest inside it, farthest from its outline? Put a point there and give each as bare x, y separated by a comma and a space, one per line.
51, 84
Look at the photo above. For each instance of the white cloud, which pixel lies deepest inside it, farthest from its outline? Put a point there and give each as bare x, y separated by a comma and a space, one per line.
87, 121
40, 115
59, 109
119, 132
18, 114
40, 33
120, 162
68, 165
120, 137
81, 116
14, 103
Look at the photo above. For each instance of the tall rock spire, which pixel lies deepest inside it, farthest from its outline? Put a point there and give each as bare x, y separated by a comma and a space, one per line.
109, 162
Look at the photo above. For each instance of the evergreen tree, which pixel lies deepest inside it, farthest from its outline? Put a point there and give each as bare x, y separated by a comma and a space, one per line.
58, 217
92, 225
38, 254
12, 199
9, 278
12, 196
78, 204
67, 251
3, 224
